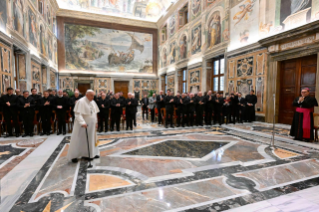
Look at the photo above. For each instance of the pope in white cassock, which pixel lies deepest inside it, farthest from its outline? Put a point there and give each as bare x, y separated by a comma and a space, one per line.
85, 112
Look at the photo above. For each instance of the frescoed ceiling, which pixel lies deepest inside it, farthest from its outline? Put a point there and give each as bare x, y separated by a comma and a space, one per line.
146, 10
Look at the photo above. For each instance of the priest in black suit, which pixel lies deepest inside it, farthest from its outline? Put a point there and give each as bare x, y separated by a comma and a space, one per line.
61, 105
26, 104
169, 107
104, 106
145, 103
10, 111
251, 101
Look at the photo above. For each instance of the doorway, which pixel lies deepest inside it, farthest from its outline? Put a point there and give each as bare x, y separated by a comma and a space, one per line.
121, 86
83, 87
295, 74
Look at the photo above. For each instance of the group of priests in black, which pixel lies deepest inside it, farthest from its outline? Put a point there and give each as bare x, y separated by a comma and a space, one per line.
211, 108
190, 109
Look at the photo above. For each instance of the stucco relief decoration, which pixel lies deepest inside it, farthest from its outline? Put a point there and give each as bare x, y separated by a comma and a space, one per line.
145, 84
245, 67
194, 79
6, 82
102, 83
231, 86
173, 56
195, 8
260, 64
67, 83
52, 79
172, 25
137, 83
35, 73
183, 47
231, 69
259, 93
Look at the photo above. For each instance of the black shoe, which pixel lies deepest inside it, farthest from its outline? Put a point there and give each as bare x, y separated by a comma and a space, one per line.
64, 133
31, 134
24, 135
75, 160
96, 157
18, 135
41, 134
172, 126
58, 133
9, 135
48, 133
87, 158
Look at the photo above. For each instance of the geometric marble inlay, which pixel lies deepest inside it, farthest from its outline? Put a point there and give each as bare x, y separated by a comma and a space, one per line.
7, 151
281, 153
102, 182
179, 148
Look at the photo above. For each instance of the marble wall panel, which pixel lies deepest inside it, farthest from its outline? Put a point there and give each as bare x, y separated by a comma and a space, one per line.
5, 67
66, 83
36, 73
171, 83
22, 85
22, 67
44, 75
250, 74
52, 79
145, 85
102, 84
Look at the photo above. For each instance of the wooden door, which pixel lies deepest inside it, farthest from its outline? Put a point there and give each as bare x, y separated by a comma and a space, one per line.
295, 74
83, 87
121, 86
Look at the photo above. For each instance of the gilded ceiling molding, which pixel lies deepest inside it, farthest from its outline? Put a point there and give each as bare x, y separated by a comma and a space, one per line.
105, 18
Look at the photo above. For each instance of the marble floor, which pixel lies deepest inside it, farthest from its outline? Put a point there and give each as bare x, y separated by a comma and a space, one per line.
206, 169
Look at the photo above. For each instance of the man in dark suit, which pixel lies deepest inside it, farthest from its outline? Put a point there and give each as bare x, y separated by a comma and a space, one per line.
36, 97
234, 100
218, 102
169, 106
201, 101
116, 112
184, 101
27, 105
191, 108
160, 103
61, 105
241, 105
209, 107
137, 94
104, 106
145, 103
9, 101
131, 104
178, 105
73, 100
251, 101
45, 105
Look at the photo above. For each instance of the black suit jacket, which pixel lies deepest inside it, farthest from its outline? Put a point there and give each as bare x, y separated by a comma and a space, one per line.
13, 100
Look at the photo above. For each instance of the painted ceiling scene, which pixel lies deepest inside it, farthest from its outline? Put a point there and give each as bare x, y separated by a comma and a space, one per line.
147, 10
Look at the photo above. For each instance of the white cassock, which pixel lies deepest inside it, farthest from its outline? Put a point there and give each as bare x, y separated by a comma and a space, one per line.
85, 113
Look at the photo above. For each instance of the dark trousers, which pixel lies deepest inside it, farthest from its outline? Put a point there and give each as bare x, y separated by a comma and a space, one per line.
178, 117
159, 115
73, 116
240, 113
61, 121
169, 117
217, 117
199, 117
104, 117
115, 119
27, 119
185, 119
250, 113
14, 116
208, 117
152, 114
145, 111
46, 121
134, 118
228, 117
191, 118
129, 120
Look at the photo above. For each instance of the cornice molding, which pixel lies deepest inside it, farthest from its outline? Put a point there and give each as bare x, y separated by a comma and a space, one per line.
284, 37
244, 49
170, 11
55, 5
105, 18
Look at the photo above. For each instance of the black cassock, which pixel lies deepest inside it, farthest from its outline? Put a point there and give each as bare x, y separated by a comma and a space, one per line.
302, 124
250, 110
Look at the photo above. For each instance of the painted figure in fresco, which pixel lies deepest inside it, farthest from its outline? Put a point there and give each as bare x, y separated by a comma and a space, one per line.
32, 29
246, 9
195, 6
214, 31
173, 54
56, 53
244, 36
298, 5
18, 16
172, 25
196, 44
50, 50
183, 47
48, 15
164, 58
42, 41
3, 14
265, 28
